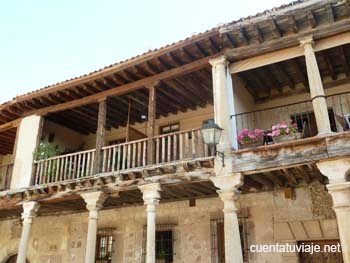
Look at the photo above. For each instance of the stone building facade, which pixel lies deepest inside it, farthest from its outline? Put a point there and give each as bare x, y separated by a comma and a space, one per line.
124, 171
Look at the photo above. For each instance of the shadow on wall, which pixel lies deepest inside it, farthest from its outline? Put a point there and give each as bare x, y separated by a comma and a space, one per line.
12, 258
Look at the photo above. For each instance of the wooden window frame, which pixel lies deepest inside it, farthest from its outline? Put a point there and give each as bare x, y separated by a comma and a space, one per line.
169, 125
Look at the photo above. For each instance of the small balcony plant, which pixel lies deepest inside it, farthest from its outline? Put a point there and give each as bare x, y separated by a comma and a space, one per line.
283, 132
249, 139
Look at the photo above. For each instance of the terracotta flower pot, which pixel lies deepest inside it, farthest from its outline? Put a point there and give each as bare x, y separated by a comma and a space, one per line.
285, 138
251, 145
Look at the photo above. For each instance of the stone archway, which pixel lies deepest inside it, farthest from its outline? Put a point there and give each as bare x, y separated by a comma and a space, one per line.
12, 259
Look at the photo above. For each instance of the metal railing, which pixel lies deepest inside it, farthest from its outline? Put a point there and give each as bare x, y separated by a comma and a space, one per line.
301, 113
5, 176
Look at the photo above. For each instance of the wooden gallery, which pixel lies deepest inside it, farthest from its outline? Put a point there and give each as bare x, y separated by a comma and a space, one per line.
199, 151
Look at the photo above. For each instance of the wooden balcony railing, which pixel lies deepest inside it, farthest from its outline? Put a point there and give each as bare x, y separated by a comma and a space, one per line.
5, 176
124, 156
180, 146
64, 167
167, 148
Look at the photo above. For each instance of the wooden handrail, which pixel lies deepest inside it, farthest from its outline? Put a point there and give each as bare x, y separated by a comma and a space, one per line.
65, 155
173, 133
286, 105
169, 147
124, 143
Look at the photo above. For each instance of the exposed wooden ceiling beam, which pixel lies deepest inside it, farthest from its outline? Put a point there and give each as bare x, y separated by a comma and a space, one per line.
311, 19
278, 68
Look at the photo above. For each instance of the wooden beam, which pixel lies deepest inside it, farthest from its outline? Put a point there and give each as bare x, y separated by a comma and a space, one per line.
280, 71
344, 61
320, 34
325, 56
287, 53
100, 136
311, 19
275, 29
151, 122
10, 125
196, 65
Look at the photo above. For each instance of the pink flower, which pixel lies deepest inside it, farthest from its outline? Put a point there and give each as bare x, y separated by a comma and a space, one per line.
247, 136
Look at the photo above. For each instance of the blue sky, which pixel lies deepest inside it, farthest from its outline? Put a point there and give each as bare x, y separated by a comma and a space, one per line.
44, 42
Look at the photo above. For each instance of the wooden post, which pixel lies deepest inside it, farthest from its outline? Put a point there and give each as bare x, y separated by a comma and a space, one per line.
151, 122
100, 135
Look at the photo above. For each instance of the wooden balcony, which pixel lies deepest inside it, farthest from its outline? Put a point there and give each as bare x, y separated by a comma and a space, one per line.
129, 157
300, 113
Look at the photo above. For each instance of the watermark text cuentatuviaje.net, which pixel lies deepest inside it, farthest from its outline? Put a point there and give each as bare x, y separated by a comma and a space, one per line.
295, 248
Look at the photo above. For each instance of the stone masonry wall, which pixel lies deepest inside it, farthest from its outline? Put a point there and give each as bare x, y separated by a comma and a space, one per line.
61, 238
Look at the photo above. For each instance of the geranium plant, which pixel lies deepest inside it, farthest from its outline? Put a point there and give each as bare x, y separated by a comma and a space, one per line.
283, 129
247, 136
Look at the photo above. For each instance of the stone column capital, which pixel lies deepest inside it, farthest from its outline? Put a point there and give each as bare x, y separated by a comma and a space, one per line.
30, 210
228, 183
340, 193
336, 170
94, 202
307, 43
151, 195
228, 192
221, 60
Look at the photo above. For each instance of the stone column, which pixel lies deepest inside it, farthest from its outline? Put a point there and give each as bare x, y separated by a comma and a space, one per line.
27, 139
221, 101
228, 194
151, 197
94, 202
338, 172
316, 87
29, 212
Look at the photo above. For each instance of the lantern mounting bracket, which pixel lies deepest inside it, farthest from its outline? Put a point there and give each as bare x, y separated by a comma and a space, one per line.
222, 156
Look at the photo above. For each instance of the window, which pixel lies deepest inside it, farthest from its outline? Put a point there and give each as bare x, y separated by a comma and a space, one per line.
306, 122
104, 245
164, 243
175, 127
218, 240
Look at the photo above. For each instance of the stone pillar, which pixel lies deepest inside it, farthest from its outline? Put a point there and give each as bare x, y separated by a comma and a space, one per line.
221, 101
227, 185
337, 172
151, 197
316, 88
29, 212
28, 138
94, 202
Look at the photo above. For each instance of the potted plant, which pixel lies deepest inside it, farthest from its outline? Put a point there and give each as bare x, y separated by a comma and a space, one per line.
283, 132
161, 256
45, 151
249, 139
